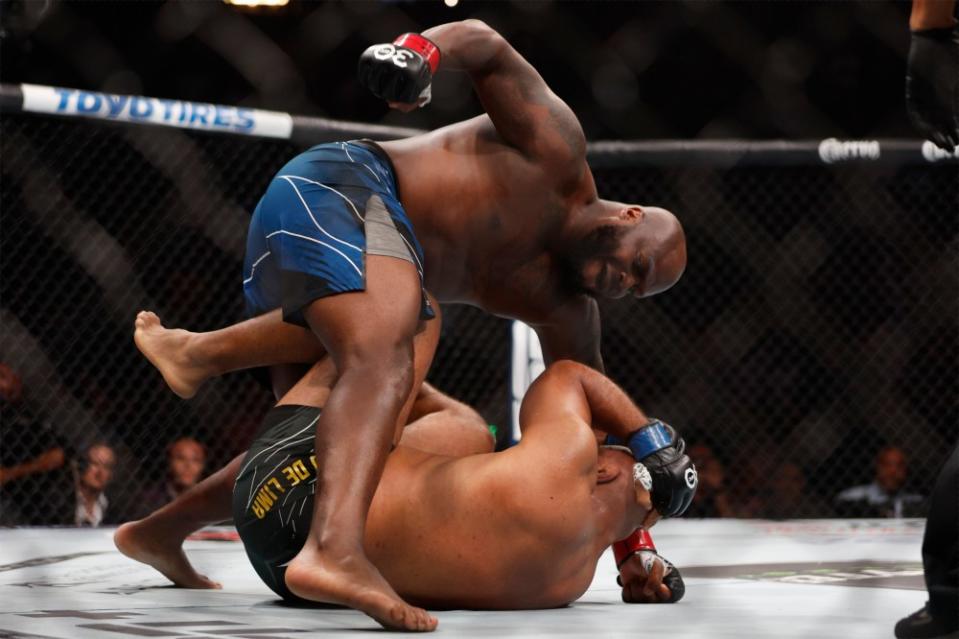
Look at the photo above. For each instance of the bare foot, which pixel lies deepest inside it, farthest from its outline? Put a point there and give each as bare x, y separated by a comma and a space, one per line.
357, 584
166, 348
138, 541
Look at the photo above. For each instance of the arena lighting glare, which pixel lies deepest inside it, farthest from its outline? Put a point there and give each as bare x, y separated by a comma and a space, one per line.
258, 3
451, 3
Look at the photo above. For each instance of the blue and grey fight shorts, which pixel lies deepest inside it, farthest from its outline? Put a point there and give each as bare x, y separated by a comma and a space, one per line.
322, 214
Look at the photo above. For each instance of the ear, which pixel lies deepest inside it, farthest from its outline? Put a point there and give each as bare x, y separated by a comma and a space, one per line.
606, 471
645, 499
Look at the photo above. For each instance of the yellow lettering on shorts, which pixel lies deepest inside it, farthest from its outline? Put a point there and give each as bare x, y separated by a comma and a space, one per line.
300, 469
276, 482
287, 478
263, 502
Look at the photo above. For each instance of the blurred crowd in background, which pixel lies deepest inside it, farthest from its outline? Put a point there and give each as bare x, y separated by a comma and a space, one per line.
44, 482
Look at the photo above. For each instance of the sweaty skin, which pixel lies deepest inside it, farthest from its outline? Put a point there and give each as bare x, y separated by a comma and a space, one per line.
502, 202
523, 528
506, 210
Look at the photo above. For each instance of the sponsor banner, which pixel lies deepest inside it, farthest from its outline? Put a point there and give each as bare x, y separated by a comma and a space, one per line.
145, 110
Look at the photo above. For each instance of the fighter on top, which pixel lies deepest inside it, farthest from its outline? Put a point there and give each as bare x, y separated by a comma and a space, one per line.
499, 211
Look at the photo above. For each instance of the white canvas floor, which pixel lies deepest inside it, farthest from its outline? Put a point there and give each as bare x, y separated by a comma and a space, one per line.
825, 578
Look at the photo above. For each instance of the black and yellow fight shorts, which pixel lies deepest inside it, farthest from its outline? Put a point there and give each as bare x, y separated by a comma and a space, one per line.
274, 491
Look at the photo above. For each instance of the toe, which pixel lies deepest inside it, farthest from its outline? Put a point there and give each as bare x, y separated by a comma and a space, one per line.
209, 583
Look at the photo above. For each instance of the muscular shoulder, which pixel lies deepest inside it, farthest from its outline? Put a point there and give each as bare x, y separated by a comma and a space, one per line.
559, 153
560, 444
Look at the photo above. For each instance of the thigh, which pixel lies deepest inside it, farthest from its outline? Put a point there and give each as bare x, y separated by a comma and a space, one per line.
312, 387
369, 325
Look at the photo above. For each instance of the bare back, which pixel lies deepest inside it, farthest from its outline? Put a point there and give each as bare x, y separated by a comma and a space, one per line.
499, 530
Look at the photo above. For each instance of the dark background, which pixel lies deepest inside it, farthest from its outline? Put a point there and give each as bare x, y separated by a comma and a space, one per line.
816, 321
630, 70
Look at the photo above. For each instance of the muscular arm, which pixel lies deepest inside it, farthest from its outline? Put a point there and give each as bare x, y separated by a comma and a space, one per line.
525, 112
572, 332
569, 390
46, 461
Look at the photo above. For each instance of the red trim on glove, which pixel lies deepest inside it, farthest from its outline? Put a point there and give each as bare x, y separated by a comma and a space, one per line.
639, 540
421, 45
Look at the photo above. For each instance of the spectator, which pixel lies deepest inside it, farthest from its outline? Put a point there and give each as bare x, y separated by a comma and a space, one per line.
711, 499
93, 474
186, 459
31, 458
886, 495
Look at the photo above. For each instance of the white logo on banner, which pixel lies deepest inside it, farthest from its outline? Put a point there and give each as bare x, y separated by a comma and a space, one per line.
933, 153
142, 109
833, 150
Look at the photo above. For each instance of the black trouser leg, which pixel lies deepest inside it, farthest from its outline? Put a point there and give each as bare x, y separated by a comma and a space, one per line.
940, 546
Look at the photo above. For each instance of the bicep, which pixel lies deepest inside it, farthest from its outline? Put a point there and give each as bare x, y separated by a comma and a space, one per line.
528, 115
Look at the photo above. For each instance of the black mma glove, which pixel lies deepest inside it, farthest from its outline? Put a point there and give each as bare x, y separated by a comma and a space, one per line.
643, 572
402, 71
657, 446
932, 85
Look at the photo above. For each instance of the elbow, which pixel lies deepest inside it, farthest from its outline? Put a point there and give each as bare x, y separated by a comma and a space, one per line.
480, 37
566, 368
479, 29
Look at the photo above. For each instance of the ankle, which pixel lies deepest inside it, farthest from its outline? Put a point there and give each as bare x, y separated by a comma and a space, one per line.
203, 352
334, 549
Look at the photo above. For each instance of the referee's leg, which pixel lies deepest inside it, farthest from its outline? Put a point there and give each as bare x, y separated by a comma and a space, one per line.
940, 559
940, 546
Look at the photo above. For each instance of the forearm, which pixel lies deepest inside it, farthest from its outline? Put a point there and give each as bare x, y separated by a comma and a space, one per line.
932, 14
13, 473
469, 45
611, 409
573, 332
